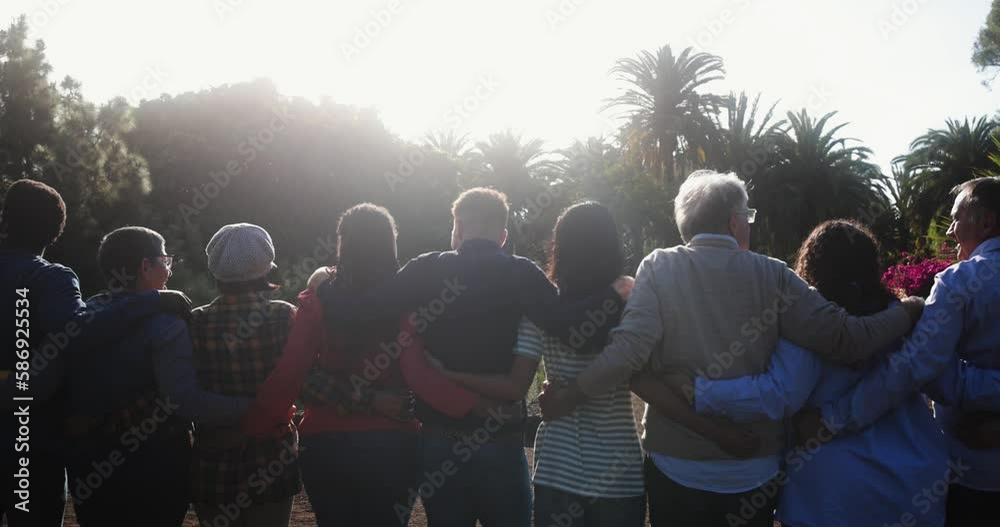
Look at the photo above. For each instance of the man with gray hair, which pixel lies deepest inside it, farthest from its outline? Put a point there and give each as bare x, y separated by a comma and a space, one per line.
713, 308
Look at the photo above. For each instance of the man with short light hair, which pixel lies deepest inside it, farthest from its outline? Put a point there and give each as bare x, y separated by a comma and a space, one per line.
713, 308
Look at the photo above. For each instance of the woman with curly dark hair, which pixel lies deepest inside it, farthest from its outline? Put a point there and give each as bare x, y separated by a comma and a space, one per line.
878, 476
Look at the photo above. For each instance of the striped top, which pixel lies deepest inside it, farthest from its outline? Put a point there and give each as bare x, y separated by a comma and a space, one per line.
594, 451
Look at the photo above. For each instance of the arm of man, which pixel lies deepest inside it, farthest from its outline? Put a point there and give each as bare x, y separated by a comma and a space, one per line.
426, 381
925, 353
511, 386
967, 386
737, 441
177, 380
826, 329
632, 341
774, 395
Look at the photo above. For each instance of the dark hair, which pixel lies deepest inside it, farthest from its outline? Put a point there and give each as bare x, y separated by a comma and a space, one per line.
34, 215
840, 258
366, 247
982, 194
482, 210
587, 250
123, 250
366, 255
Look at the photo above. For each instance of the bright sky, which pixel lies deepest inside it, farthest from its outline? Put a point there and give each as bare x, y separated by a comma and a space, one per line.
892, 68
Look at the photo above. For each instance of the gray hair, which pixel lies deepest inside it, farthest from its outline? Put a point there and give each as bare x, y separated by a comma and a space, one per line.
705, 201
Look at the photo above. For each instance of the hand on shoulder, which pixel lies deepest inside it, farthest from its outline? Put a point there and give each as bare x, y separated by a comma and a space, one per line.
319, 276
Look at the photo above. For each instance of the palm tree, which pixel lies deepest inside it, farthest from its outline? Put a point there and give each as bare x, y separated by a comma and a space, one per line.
945, 157
667, 113
513, 164
448, 144
819, 176
749, 145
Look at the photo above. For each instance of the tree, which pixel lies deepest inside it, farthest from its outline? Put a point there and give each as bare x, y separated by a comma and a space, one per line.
986, 50
668, 115
939, 160
819, 176
749, 145
28, 101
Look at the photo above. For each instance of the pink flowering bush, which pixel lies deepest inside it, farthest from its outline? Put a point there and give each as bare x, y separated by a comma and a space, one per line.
913, 276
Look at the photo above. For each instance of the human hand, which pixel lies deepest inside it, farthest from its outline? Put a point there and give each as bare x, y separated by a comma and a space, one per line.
398, 406
557, 400
175, 303
738, 441
623, 286
914, 306
319, 276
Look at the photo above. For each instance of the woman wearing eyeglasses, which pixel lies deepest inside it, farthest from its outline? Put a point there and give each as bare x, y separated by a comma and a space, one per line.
130, 400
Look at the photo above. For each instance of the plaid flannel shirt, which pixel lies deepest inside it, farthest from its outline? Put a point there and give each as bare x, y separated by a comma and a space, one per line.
237, 341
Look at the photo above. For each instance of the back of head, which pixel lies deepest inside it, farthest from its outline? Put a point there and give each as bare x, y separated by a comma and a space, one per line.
705, 202
34, 215
587, 248
482, 212
240, 256
122, 251
840, 258
366, 246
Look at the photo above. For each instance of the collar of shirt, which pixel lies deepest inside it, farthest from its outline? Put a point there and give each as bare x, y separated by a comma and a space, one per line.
479, 245
715, 240
990, 245
240, 298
